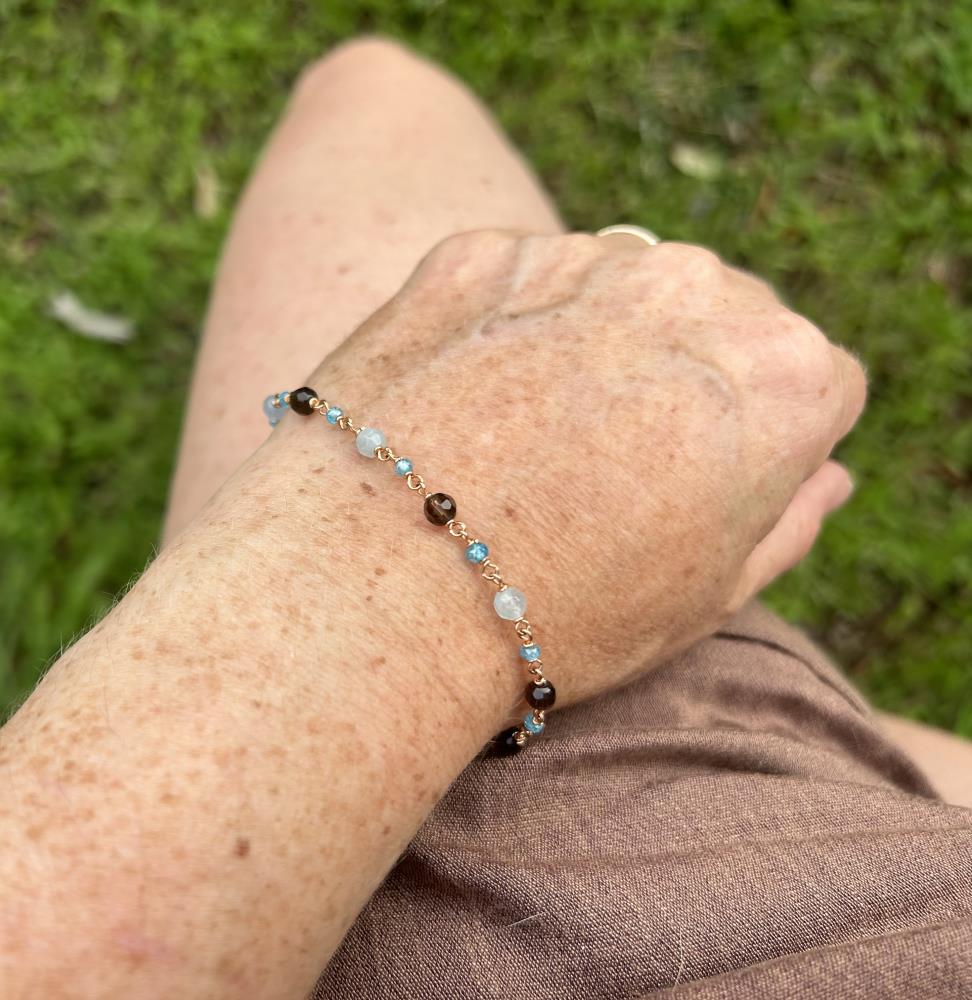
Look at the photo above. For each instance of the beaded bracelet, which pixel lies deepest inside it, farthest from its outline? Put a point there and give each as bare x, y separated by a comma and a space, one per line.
440, 510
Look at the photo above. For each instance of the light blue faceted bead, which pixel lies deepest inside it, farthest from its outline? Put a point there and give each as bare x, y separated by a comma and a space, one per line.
531, 725
334, 414
368, 439
476, 552
510, 603
530, 652
403, 466
274, 413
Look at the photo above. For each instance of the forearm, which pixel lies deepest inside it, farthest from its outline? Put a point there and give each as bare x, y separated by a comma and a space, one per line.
206, 788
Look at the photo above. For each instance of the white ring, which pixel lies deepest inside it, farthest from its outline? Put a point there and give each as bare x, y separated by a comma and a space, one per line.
628, 230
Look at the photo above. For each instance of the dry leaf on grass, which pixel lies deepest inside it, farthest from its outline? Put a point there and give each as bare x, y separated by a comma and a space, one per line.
68, 309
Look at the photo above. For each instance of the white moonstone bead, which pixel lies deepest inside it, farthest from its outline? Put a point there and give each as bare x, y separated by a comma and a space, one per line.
510, 603
368, 439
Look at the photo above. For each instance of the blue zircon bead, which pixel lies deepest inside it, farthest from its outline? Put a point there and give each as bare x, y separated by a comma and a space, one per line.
403, 466
531, 725
530, 652
334, 414
476, 552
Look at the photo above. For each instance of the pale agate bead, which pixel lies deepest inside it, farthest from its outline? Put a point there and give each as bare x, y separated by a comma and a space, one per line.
369, 438
510, 603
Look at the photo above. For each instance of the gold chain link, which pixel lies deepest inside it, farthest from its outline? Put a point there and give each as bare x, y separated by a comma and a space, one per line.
488, 569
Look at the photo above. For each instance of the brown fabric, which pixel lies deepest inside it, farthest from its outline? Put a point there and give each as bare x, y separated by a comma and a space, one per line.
732, 825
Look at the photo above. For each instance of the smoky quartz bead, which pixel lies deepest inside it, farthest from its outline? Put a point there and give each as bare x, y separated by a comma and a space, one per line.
505, 744
440, 508
541, 695
300, 400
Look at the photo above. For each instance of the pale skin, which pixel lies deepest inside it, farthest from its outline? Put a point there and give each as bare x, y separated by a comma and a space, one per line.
206, 788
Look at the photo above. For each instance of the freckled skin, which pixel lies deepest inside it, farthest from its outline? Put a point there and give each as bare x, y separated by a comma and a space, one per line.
233, 773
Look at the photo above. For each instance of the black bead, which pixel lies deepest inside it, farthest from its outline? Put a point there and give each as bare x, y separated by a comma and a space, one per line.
541, 696
300, 400
440, 508
505, 744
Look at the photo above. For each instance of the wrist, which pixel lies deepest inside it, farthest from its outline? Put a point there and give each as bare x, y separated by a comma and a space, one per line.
355, 593
246, 700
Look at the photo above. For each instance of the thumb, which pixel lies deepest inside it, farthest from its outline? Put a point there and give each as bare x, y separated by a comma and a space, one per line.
793, 535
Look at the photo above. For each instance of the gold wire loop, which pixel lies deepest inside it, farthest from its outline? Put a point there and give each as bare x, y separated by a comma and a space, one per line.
458, 529
524, 630
414, 481
383, 453
490, 570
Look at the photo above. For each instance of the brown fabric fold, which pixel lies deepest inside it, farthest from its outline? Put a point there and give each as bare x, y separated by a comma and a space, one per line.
731, 825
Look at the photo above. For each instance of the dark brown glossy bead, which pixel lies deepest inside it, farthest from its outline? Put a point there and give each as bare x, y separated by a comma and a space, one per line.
300, 400
505, 744
541, 696
440, 508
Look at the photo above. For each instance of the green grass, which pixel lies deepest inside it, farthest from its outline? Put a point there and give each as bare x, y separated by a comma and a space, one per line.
838, 163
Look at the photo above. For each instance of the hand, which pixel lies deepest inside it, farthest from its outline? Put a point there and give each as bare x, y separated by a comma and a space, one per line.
639, 433
289, 688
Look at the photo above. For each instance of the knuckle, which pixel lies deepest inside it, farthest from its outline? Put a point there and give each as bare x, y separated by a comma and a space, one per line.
690, 259
804, 378
580, 243
757, 285
575, 244
568, 249
802, 350
853, 388
461, 246
855, 374
461, 259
